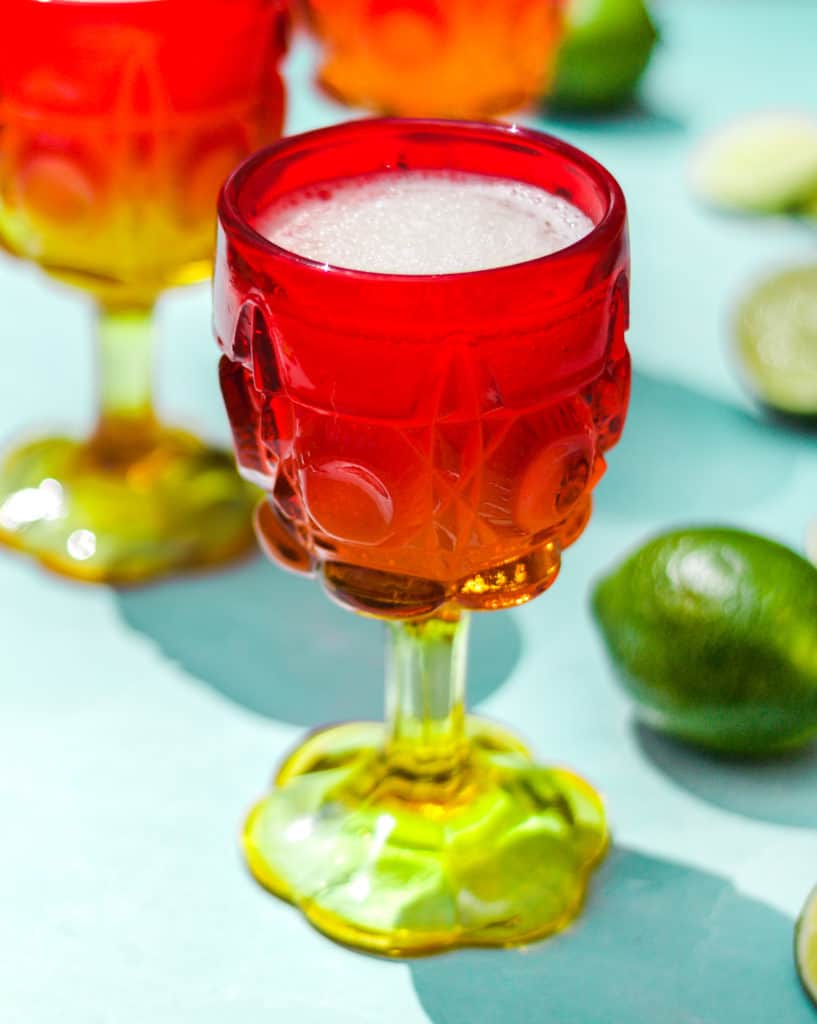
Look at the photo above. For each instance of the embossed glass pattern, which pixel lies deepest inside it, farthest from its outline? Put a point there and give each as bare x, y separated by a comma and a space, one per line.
118, 123
429, 446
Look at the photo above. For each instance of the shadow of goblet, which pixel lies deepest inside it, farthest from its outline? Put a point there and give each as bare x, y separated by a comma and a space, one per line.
658, 941
275, 644
666, 460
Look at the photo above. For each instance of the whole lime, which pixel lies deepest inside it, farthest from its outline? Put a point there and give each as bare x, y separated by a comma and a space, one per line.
606, 47
714, 633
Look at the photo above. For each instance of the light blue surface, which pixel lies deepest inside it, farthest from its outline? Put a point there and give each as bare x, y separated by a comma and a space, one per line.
136, 727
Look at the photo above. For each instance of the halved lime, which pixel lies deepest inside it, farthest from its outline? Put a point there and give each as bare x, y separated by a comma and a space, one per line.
776, 329
764, 163
805, 946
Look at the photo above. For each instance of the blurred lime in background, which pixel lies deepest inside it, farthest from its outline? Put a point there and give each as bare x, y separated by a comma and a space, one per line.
713, 632
805, 946
776, 338
607, 46
763, 163
811, 542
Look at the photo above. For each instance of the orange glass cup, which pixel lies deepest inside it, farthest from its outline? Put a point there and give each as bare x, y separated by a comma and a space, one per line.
437, 58
118, 123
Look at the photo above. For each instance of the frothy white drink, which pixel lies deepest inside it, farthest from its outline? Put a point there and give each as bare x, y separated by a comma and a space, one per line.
423, 222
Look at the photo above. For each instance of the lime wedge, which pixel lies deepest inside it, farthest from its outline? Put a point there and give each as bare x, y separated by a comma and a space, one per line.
764, 163
805, 946
776, 330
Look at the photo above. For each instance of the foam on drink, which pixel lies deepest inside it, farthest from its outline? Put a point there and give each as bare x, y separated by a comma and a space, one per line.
422, 222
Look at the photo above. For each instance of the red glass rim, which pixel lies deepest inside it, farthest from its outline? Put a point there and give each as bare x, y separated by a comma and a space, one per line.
122, 5
609, 225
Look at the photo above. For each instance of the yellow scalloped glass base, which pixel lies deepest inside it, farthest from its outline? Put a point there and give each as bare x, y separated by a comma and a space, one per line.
496, 854
174, 504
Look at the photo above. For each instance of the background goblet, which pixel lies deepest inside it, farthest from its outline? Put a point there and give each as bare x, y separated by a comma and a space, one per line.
429, 445
432, 58
118, 124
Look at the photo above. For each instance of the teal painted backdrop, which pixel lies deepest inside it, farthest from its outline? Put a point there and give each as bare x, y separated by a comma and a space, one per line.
136, 727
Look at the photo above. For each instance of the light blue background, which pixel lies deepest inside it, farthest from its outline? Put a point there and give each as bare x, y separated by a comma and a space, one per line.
136, 727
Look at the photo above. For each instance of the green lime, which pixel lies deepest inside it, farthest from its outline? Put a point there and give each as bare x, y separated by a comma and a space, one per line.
809, 207
606, 47
811, 542
763, 163
805, 946
776, 331
714, 633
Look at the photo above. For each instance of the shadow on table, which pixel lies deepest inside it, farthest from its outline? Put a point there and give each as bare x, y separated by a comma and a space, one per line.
684, 453
781, 790
277, 645
631, 119
659, 943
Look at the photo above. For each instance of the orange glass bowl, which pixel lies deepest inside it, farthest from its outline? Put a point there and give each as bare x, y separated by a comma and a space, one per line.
118, 123
437, 58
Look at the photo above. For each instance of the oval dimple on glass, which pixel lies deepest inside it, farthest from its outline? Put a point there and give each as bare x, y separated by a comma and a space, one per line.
119, 123
428, 445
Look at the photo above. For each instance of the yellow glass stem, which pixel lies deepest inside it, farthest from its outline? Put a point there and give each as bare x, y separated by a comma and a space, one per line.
136, 499
433, 831
126, 426
425, 696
